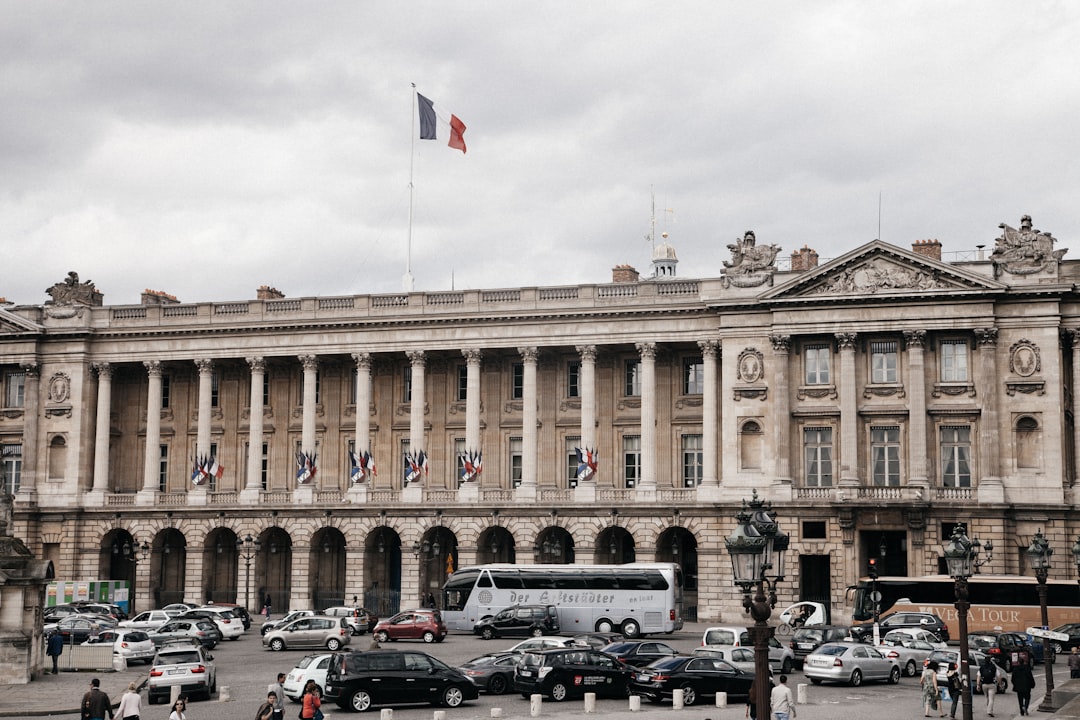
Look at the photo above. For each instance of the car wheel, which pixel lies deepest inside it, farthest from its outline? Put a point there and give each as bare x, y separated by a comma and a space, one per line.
909, 669
429, 637
360, 701
452, 696
333, 644
894, 676
786, 666
856, 678
816, 681
487, 633
382, 636
265, 629
277, 644
630, 629
559, 691
497, 684
537, 632
1057, 648
604, 625
689, 696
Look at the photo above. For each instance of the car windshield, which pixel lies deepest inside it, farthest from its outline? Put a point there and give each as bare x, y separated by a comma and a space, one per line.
482, 660
671, 663
831, 650
531, 660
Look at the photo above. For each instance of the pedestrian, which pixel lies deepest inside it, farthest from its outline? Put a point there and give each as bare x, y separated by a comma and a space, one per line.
266, 710
55, 646
266, 607
1074, 663
278, 691
930, 692
989, 675
310, 702
179, 710
130, 706
430, 601
782, 701
1023, 682
955, 684
95, 703
751, 701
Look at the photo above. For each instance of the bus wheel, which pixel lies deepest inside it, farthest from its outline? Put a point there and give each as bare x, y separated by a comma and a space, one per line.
604, 625
630, 629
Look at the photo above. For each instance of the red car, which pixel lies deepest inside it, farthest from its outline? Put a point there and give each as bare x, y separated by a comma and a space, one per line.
426, 625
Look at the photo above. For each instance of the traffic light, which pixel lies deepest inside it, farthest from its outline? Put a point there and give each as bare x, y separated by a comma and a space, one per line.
872, 567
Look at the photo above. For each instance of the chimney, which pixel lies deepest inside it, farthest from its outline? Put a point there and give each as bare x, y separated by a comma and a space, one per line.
265, 292
929, 248
158, 297
624, 274
804, 259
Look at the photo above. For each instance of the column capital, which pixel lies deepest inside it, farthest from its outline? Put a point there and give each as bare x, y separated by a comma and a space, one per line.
529, 354
309, 362
153, 368
103, 369
986, 336
362, 360
846, 341
709, 349
646, 350
915, 338
205, 365
416, 357
472, 355
257, 364
781, 344
587, 352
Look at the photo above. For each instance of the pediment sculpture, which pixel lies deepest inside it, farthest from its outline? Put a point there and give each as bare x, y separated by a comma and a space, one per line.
751, 265
1025, 251
879, 276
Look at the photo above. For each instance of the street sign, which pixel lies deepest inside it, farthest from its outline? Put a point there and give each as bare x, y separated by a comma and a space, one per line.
1048, 634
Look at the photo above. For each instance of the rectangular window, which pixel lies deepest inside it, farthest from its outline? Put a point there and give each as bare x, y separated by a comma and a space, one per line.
817, 359
954, 361
215, 390
406, 384
632, 378
459, 465
572, 443
817, 448
692, 460
266, 389
573, 375
11, 467
693, 376
166, 390
14, 389
213, 485
516, 461
352, 386
517, 381
631, 460
462, 383
885, 455
401, 456
883, 361
956, 456
163, 468
265, 469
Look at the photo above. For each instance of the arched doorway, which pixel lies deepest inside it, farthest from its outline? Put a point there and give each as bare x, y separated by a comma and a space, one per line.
326, 563
382, 571
220, 566
273, 568
496, 545
167, 567
614, 546
437, 555
554, 546
678, 545
118, 560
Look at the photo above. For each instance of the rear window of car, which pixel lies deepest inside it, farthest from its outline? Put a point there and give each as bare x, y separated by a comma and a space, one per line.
809, 634
719, 637
137, 636
670, 663
615, 648
531, 660
833, 650
175, 658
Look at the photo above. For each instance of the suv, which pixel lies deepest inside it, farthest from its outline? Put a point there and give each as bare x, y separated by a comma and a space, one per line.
360, 619
808, 639
896, 620
535, 620
231, 626
729, 635
184, 664
423, 624
317, 631
204, 632
1008, 649
357, 681
571, 672
238, 611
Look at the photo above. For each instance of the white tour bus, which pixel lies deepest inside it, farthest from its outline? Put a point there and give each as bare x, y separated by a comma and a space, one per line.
636, 598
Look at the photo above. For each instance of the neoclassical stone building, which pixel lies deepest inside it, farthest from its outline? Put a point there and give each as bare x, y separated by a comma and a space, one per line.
875, 400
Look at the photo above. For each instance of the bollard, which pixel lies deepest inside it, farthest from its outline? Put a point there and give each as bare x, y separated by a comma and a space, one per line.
496, 712
386, 714
439, 715
590, 703
223, 694
721, 699
119, 663
677, 699
536, 702
801, 692
635, 703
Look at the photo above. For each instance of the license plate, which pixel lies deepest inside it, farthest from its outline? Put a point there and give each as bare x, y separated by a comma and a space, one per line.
525, 673
176, 671
806, 646
642, 678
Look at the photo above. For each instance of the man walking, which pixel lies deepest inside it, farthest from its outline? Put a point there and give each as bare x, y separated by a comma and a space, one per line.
782, 701
278, 692
53, 649
95, 703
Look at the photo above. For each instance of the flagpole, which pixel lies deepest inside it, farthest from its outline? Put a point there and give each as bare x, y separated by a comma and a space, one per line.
407, 279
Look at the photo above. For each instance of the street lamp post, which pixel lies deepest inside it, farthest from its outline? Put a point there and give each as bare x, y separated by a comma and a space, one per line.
1039, 553
133, 554
757, 547
961, 557
248, 547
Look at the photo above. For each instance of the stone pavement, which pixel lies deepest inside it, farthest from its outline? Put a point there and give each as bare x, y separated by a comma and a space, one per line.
61, 694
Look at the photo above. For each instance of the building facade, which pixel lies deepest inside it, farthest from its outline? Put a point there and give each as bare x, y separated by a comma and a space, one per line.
875, 400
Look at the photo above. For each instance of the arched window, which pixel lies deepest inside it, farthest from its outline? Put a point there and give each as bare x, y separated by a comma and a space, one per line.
750, 445
1028, 443
57, 458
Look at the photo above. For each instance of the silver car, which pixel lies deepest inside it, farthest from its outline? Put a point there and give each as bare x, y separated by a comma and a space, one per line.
317, 631
781, 657
850, 663
910, 653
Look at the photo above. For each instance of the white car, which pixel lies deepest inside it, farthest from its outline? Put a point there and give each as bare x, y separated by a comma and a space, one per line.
231, 626
310, 667
148, 620
781, 657
181, 664
543, 642
133, 644
900, 635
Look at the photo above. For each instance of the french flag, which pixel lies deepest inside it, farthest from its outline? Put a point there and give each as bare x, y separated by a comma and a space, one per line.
429, 118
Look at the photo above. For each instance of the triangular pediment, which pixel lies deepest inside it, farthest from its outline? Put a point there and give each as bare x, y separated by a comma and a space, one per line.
878, 270
10, 323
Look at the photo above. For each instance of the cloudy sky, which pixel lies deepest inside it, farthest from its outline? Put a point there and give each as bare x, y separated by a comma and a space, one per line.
207, 148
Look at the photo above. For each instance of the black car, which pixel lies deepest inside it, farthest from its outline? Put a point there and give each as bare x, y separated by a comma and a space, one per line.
492, 673
896, 620
639, 653
564, 673
1073, 631
697, 677
534, 620
1007, 649
358, 681
80, 628
596, 640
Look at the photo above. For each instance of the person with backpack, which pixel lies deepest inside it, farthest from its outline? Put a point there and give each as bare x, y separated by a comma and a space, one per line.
955, 683
989, 676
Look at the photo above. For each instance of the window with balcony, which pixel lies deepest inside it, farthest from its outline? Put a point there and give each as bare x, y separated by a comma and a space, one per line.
817, 362
693, 466
956, 456
14, 389
954, 361
817, 454
10, 467
631, 460
885, 455
516, 462
883, 362
572, 443
163, 468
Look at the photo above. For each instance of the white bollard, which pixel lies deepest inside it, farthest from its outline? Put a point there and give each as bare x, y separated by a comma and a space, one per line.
590, 703
223, 694
721, 699
496, 712
635, 703
676, 699
386, 714
119, 663
440, 715
536, 702
801, 692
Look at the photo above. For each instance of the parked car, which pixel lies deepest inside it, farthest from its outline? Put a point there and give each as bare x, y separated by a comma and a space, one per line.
596, 640
808, 639
80, 628
131, 644
360, 619
316, 631
175, 609
894, 621
534, 620
198, 630
310, 667
911, 654
895, 637
539, 643
356, 681
565, 673
185, 664
781, 657
231, 627
289, 617
424, 624
696, 676
1009, 648
975, 658
100, 608
147, 620
1073, 631
639, 653
492, 673
238, 611
850, 662
726, 635
57, 613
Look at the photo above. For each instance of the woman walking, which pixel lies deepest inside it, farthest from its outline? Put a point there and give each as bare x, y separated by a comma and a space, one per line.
130, 706
930, 692
954, 682
310, 703
1023, 682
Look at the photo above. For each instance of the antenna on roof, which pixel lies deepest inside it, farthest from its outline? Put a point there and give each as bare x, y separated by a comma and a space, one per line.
651, 237
879, 215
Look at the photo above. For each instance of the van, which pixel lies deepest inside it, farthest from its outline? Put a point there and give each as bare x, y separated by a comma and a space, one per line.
534, 620
808, 639
728, 635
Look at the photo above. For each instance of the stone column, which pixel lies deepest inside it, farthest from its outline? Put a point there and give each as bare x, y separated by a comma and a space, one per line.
647, 487
849, 421
152, 455
306, 493
782, 448
358, 491
101, 429
917, 448
253, 481
1073, 490
416, 407
710, 421
991, 489
587, 386
206, 388
529, 414
472, 399
31, 414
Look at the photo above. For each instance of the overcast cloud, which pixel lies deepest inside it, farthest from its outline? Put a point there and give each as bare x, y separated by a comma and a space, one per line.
207, 148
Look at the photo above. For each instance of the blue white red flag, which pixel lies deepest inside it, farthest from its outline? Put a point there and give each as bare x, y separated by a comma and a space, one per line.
356, 473
430, 119
422, 462
368, 463
213, 467
471, 465
412, 468
305, 467
587, 460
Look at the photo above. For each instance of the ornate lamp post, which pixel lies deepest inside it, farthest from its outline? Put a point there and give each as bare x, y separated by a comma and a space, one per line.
757, 549
248, 547
1039, 553
961, 557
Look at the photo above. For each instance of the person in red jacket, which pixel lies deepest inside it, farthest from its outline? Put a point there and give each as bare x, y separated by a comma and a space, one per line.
309, 709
